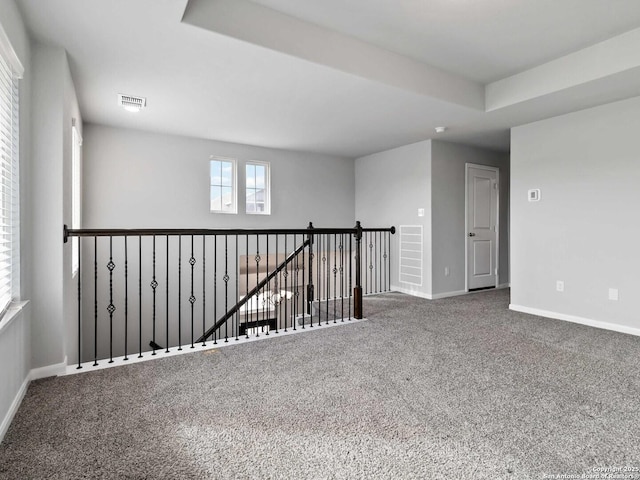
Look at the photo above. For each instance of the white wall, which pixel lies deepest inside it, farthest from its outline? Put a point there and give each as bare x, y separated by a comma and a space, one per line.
15, 347
584, 230
134, 179
448, 213
53, 105
390, 188
70, 112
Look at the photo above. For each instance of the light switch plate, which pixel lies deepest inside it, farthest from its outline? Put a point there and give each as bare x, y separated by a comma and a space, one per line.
533, 195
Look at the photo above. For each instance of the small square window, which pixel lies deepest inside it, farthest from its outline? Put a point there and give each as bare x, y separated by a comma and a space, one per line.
223, 185
258, 192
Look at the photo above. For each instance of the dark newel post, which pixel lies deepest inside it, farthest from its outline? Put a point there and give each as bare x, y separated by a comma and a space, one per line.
310, 289
357, 290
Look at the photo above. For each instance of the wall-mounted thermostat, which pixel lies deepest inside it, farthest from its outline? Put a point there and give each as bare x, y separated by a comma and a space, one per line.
534, 195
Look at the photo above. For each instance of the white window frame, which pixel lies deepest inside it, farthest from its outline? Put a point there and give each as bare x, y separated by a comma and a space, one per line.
234, 186
11, 71
267, 187
76, 193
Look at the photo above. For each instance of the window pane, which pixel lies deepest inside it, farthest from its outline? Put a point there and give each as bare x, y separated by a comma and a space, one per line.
257, 188
227, 174
251, 200
216, 198
227, 199
223, 194
251, 175
260, 174
75, 196
216, 174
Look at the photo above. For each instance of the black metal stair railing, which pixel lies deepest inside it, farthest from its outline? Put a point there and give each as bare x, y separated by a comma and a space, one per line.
218, 285
255, 291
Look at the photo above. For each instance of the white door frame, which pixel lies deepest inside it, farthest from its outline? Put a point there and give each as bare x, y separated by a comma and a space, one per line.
466, 220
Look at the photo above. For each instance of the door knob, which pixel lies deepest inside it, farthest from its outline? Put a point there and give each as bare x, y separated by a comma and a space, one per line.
471, 234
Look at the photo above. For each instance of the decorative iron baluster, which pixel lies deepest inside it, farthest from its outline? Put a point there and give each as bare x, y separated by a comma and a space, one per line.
154, 285
226, 286
179, 294
95, 301
366, 262
285, 274
192, 299
319, 254
247, 308
204, 288
378, 256
258, 295
335, 277
237, 314
341, 249
79, 305
371, 254
268, 289
389, 260
277, 308
139, 296
294, 306
327, 263
111, 307
126, 298
303, 262
166, 331
215, 286
369, 246
350, 273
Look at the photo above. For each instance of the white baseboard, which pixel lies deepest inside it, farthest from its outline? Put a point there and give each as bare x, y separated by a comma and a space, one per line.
396, 288
8, 418
575, 319
437, 296
49, 370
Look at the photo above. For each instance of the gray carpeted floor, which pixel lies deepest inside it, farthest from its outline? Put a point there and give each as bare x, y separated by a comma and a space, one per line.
455, 388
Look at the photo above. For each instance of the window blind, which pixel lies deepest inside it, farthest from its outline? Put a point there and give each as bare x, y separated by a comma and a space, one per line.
9, 191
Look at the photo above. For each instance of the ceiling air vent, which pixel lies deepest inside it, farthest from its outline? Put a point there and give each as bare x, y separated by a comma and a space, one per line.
131, 103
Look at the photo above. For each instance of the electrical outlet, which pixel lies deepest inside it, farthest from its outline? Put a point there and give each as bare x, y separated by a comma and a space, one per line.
613, 294
446, 271
560, 286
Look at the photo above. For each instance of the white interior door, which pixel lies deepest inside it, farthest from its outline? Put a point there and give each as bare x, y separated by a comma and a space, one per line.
482, 226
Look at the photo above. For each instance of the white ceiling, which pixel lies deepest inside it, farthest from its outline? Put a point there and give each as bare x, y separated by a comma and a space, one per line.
482, 40
277, 88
